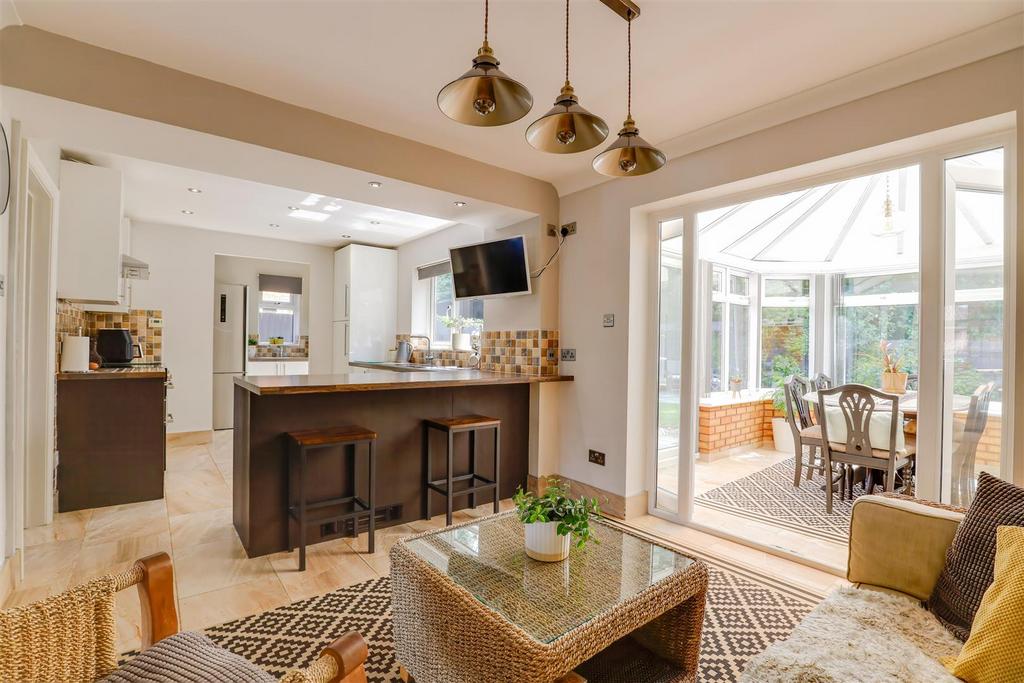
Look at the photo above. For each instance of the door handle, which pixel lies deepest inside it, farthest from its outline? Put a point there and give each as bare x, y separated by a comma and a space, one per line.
346, 304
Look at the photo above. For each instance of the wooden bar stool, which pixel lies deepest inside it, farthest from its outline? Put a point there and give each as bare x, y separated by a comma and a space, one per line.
446, 486
300, 444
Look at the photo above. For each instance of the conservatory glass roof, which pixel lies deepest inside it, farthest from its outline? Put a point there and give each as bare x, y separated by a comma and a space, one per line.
842, 225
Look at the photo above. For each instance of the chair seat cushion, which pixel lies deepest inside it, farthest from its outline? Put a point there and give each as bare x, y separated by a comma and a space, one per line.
812, 433
188, 657
970, 560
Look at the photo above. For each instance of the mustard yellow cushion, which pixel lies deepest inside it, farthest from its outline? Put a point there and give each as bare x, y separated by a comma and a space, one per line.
994, 652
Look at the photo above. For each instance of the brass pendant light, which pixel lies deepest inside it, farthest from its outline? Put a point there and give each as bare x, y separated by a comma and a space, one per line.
630, 154
484, 95
567, 127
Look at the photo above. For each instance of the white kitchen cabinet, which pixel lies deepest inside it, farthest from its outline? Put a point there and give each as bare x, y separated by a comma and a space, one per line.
280, 367
91, 235
365, 303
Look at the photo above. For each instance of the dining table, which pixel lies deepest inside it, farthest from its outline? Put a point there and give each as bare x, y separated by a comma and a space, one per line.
908, 403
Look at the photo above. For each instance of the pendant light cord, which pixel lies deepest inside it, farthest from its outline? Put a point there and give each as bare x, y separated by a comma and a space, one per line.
629, 65
487, 11
567, 41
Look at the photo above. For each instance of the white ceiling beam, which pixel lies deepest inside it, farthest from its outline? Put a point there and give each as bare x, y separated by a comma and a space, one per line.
857, 208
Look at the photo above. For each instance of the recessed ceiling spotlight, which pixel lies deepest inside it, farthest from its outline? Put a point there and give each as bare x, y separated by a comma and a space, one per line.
187, 212
375, 184
274, 225
293, 208
346, 237
459, 204
374, 222
194, 190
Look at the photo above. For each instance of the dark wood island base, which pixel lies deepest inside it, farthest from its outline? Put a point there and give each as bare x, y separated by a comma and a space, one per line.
393, 404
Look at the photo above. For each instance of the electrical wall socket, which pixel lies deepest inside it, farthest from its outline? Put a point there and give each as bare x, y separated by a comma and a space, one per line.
568, 354
596, 457
608, 320
556, 231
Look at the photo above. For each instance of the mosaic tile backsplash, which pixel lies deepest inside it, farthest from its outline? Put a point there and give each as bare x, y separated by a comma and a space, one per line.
520, 352
299, 350
71, 318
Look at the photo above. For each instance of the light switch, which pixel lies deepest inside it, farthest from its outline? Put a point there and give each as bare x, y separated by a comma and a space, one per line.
156, 322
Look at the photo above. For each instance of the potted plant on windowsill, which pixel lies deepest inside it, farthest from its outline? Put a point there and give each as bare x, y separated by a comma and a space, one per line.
461, 341
553, 520
894, 380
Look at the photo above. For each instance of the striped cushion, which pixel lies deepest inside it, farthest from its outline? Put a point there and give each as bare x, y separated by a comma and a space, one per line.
971, 557
188, 657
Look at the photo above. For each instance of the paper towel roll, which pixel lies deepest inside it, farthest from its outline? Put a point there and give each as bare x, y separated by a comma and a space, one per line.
74, 354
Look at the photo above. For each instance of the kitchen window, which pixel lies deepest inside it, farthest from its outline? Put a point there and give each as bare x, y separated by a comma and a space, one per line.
279, 316
442, 304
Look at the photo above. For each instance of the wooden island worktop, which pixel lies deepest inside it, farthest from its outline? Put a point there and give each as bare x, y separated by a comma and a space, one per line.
392, 404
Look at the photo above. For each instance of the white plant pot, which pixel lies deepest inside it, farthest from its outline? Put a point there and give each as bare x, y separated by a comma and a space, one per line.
461, 341
543, 542
783, 435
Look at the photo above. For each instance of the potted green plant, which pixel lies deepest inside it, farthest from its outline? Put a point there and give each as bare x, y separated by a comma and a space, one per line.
553, 520
894, 380
461, 341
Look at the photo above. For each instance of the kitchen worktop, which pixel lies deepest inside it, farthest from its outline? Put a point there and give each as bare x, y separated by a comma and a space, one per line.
280, 359
137, 372
382, 381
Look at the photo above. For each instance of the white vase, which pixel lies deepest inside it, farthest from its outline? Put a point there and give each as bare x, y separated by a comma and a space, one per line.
543, 542
461, 341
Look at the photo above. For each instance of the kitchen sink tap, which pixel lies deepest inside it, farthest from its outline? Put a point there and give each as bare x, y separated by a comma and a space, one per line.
429, 358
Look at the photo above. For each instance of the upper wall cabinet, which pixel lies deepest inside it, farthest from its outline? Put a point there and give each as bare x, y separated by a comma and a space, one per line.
92, 234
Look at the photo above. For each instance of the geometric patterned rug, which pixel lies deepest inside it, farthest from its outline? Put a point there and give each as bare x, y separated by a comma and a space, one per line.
769, 496
743, 617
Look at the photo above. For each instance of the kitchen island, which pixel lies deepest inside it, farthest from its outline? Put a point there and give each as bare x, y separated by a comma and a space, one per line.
393, 404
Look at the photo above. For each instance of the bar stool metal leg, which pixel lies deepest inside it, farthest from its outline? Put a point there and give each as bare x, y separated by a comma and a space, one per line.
302, 509
472, 465
497, 465
449, 498
426, 470
370, 500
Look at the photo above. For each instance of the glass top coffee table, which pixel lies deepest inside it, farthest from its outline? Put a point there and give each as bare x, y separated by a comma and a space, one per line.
469, 605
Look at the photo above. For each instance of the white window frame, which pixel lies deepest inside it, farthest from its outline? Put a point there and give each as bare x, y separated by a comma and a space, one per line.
432, 307
727, 298
294, 303
788, 302
932, 309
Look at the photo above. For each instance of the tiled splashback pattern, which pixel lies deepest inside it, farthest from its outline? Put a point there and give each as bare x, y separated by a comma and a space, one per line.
520, 352
71, 318
459, 359
300, 350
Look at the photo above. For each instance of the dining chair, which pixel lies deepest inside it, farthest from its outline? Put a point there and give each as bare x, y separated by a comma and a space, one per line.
822, 381
964, 481
805, 432
857, 405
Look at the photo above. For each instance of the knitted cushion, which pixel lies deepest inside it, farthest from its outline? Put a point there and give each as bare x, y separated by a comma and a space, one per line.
995, 650
188, 657
969, 561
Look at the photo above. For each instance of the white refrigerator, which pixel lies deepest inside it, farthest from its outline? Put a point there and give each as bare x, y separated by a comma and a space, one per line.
229, 349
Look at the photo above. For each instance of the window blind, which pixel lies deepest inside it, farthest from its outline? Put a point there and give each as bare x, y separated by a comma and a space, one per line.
434, 270
283, 284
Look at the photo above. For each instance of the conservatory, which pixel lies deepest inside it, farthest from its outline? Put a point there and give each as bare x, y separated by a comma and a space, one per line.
824, 283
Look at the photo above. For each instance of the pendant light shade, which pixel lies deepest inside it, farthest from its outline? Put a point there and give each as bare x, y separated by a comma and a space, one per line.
567, 127
485, 95
630, 154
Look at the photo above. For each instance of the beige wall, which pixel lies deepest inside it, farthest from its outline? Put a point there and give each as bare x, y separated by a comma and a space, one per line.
602, 409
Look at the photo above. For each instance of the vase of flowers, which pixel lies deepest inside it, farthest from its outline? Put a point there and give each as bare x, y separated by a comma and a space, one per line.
461, 340
553, 521
894, 380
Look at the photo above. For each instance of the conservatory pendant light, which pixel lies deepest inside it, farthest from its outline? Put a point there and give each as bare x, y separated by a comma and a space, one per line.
567, 127
484, 95
889, 225
630, 154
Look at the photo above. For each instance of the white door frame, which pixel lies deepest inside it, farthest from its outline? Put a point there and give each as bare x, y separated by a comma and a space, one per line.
31, 343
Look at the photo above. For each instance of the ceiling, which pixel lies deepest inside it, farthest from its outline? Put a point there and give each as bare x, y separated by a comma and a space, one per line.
381, 63
159, 193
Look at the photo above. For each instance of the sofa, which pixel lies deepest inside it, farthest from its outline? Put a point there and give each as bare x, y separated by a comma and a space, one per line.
877, 629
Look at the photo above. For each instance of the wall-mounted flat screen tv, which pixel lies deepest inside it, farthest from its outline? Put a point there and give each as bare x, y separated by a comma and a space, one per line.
491, 269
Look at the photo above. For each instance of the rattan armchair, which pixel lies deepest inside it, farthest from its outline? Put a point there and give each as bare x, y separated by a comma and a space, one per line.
71, 636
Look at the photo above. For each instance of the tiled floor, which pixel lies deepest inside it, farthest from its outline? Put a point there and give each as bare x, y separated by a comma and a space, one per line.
216, 582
